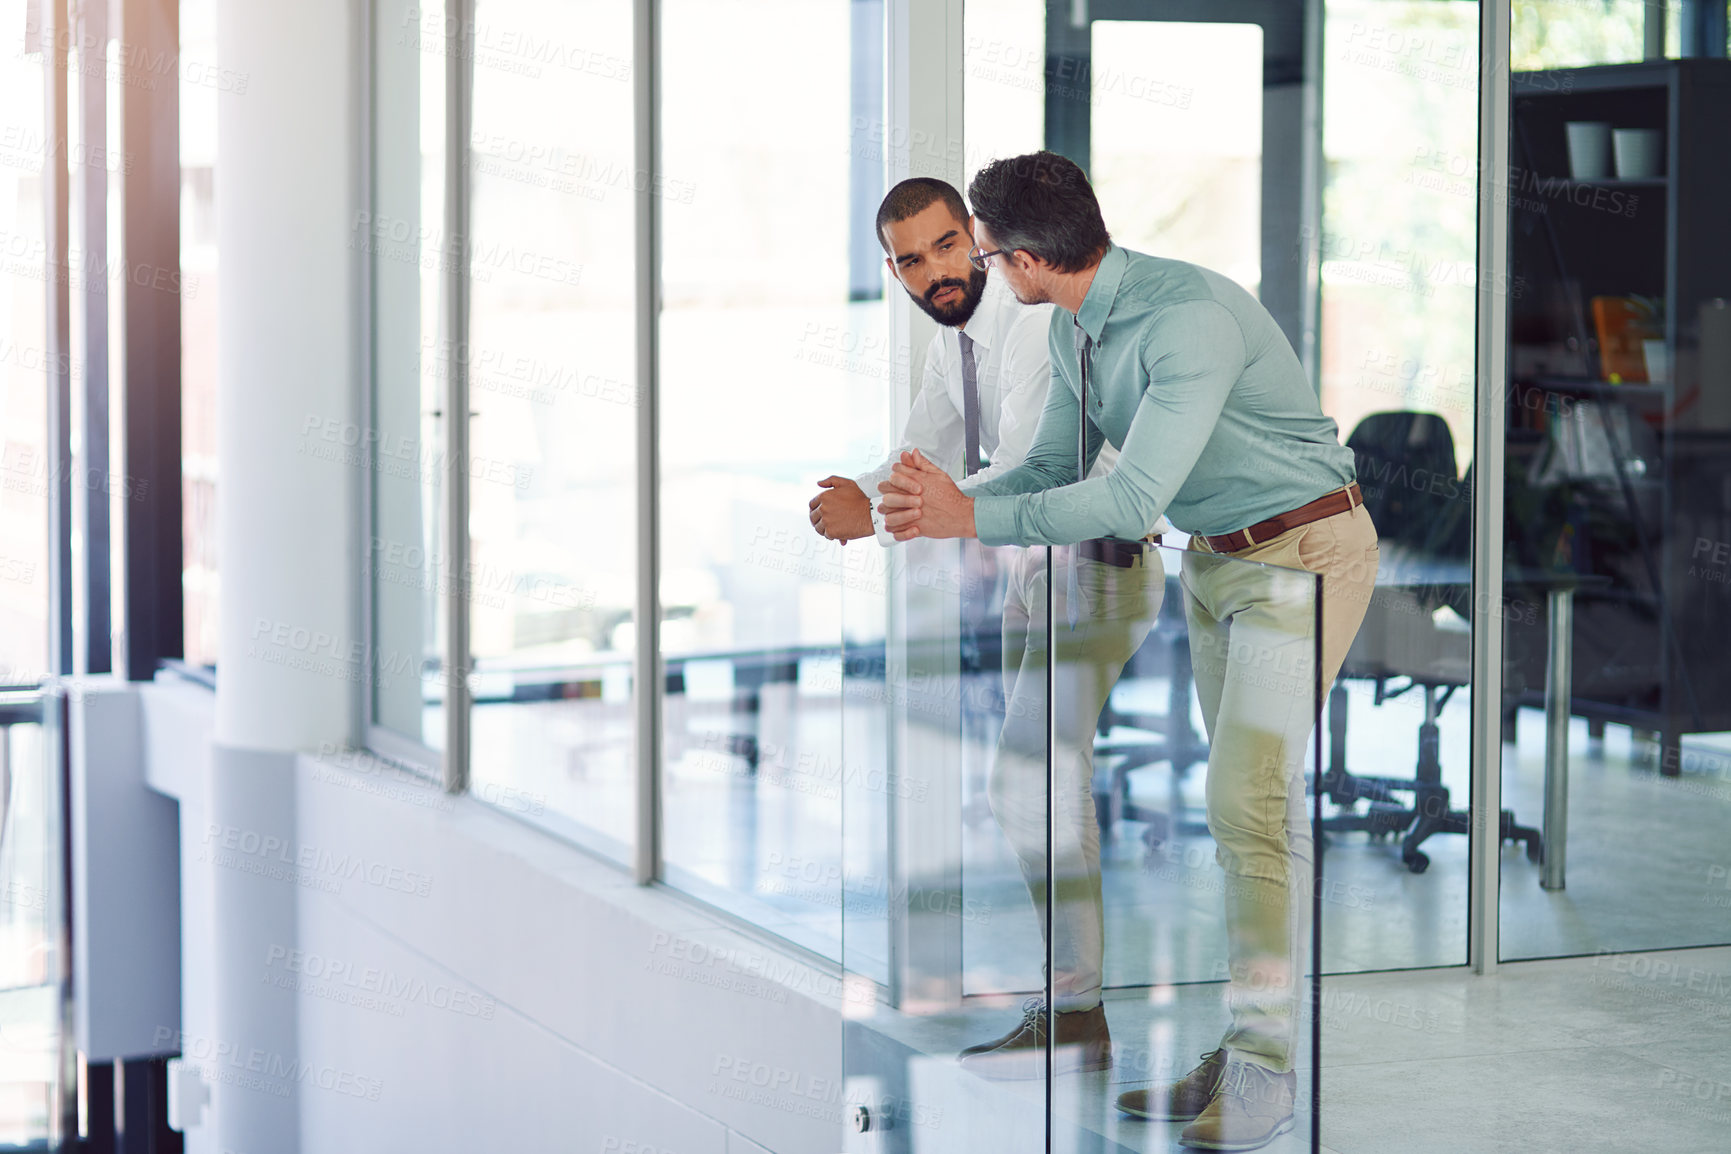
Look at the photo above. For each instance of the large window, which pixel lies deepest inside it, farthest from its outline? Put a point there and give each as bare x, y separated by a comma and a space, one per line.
508, 276
1618, 445
766, 365
414, 258
199, 93
24, 359
553, 400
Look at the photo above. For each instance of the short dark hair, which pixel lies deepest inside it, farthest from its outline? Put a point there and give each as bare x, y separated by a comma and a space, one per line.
1041, 203
912, 197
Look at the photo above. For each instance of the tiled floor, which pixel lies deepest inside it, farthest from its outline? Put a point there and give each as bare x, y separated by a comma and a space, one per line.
1616, 1053
1623, 1053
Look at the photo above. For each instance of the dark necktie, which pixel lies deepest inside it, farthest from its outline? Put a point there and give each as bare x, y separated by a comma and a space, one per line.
1084, 353
970, 407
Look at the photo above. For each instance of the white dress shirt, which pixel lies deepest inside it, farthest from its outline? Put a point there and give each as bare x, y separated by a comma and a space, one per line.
1012, 368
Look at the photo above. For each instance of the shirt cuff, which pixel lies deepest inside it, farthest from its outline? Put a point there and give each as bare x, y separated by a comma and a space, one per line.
995, 520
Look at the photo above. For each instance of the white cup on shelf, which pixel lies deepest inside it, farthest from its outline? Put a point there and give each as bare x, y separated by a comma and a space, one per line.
1658, 357
1637, 153
1589, 149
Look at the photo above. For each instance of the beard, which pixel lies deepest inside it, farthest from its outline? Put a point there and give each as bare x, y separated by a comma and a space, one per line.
957, 314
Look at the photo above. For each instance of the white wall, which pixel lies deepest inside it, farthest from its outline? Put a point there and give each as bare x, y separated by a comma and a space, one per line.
459, 980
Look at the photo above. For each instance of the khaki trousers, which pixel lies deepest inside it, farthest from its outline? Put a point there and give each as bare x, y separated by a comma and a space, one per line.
1253, 648
1118, 607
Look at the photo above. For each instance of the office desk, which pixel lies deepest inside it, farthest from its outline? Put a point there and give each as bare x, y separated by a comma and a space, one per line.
1404, 569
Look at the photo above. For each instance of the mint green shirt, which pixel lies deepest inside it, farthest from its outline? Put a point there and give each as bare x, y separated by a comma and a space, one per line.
1196, 386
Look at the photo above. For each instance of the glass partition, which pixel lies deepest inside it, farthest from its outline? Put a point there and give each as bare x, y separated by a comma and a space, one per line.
773, 361
26, 379
553, 400
1395, 262
1616, 723
404, 234
1113, 850
1195, 136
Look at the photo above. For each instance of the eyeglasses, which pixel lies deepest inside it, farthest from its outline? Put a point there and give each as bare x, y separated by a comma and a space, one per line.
983, 260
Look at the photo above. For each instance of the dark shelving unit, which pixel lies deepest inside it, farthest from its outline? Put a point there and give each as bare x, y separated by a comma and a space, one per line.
1652, 649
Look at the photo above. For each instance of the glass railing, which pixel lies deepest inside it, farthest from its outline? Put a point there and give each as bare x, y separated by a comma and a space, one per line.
1113, 851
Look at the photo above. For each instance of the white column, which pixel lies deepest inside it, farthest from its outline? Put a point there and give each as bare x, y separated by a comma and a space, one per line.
289, 490
289, 438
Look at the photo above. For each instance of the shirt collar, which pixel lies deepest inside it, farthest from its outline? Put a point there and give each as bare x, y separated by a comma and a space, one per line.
1098, 303
988, 314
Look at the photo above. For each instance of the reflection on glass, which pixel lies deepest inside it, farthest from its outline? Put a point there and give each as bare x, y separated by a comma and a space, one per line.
1566, 34
1181, 656
1617, 578
406, 239
553, 411
1176, 131
1004, 71
1396, 266
773, 368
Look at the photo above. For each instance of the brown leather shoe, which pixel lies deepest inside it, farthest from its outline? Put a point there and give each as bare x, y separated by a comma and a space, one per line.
1177, 1101
1084, 1044
1251, 1108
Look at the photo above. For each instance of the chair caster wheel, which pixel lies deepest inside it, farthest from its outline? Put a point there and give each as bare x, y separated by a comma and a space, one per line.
1416, 862
1536, 851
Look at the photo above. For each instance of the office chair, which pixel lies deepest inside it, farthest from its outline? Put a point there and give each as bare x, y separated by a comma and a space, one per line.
1406, 468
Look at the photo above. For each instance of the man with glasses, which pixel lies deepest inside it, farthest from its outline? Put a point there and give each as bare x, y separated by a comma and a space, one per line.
986, 377
1217, 426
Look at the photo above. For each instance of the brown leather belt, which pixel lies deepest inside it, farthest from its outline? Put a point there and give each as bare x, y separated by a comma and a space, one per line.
1122, 554
1326, 505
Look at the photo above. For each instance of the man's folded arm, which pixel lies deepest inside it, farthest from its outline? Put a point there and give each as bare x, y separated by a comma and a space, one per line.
1193, 357
934, 427
1051, 458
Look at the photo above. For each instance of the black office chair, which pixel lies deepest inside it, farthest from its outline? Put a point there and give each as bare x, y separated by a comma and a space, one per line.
1413, 637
